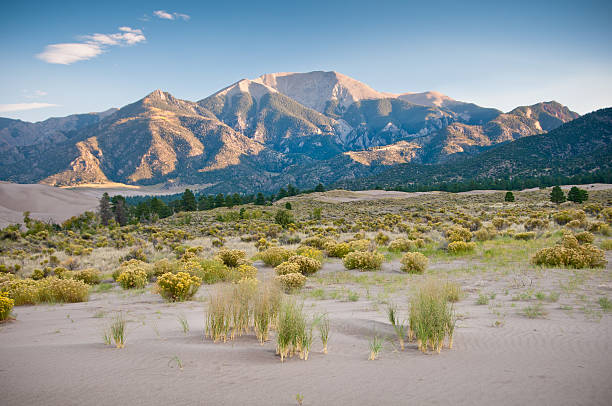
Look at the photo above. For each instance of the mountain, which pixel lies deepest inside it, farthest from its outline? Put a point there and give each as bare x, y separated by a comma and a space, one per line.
17, 133
578, 147
260, 134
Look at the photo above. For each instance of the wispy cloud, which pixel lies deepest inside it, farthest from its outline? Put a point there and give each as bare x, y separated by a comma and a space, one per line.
33, 94
24, 106
164, 15
90, 47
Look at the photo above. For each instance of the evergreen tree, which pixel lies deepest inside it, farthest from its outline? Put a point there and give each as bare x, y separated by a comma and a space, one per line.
319, 188
557, 195
577, 195
237, 200
291, 191
281, 193
284, 218
160, 208
260, 200
288, 206
509, 197
220, 200
188, 201
120, 210
106, 214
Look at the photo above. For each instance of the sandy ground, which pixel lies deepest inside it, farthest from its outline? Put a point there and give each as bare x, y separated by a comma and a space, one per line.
44, 203
54, 355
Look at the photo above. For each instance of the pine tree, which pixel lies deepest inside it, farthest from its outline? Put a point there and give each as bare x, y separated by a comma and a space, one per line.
260, 200
220, 200
319, 188
557, 195
577, 195
291, 190
106, 214
188, 201
288, 206
509, 197
120, 210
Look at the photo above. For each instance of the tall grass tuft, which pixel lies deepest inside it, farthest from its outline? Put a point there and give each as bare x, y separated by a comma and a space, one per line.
323, 325
400, 327
294, 334
115, 334
376, 344
432, 317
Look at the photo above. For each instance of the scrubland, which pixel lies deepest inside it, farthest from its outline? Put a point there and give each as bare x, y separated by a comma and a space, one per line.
415, 298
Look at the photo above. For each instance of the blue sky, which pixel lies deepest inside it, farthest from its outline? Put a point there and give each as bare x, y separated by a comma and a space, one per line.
492, 54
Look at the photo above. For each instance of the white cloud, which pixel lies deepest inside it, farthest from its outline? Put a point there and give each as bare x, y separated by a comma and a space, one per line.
33, 94
24, 106
92, 46
65, 54
163, 14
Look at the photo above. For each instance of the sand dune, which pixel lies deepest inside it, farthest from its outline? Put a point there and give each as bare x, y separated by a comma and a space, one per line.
44, 203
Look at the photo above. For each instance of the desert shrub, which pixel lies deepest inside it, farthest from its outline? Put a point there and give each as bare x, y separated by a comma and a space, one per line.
287, 267
309, 252
458, 233
161, 267
432, 318
245, 271
569, 253
600, 227
212, 271
89, 276
132, 278
317, 241
361, 244
567, 216
291, 282
262, 244
135, 253
529, 235
414, 262
307, 266
500, 223
39, 274
56, 290
274, 256
607, 214
485, 234
6, 306
21, 291
381, 239
585, 237
337, 250
405, 245
132, 263
535, 224
178, 287
458, 247
62, 272
606, 245
363, 260
231, 258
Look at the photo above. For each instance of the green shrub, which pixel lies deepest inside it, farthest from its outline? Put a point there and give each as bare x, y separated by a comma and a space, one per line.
317, 241
485, 234
414, 262
529, 235
89, 276
132, 278
337, 250
606, 245
55, 290
381, 239
231, 258
363, 260
585, 237
291, 282
406, 245
178, 287
274, 256
212, 271
458, 247
361, 244
6, 306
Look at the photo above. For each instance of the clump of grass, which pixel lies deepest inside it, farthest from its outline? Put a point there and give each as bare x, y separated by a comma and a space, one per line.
534, 311
265, 311
291, 330
401, 329
376, 345
432, 317
605, 304
323, 325
115, 334
483, 299
184, 323
352, 296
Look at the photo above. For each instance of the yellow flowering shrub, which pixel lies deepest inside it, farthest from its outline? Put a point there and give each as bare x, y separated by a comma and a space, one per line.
231, 258
458, 233
22, 291
569, 253
363, 260
405, 245
309, 252
132, 277
274, 256
291, 282
6, 305
414, 262
307, 265
458, 247
337, 249
287, 268
246, 271
178, 287
55, 290
89, 276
